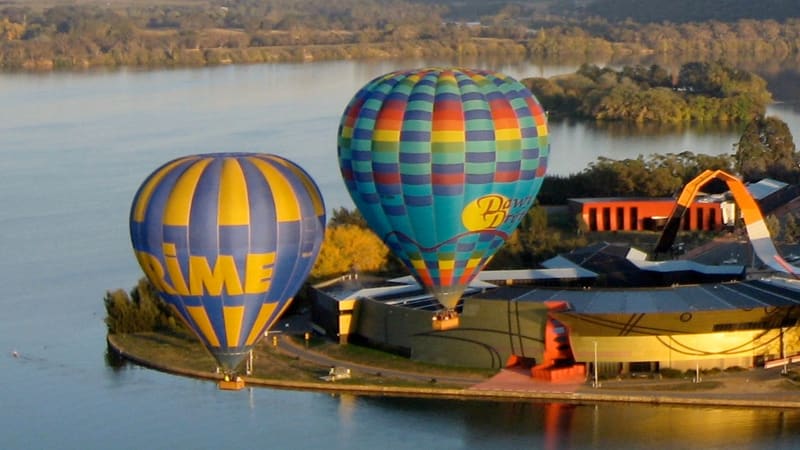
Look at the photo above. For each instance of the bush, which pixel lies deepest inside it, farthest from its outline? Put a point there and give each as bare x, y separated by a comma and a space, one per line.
671, 373
141, 310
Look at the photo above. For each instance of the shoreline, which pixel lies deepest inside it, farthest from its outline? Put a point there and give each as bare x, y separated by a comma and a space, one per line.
490, 390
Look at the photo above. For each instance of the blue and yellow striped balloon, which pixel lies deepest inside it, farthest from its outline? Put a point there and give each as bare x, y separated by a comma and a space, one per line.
228, 239
443, 163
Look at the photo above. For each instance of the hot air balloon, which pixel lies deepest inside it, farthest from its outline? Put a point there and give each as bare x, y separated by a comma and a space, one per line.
443, 163
227, 239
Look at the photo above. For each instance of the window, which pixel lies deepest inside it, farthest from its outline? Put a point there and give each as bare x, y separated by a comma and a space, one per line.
634, 216
592, 219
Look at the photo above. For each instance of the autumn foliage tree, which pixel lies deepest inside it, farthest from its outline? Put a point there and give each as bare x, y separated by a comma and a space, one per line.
347, 247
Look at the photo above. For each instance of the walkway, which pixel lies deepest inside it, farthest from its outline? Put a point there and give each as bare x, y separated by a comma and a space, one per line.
753, 388
292, 348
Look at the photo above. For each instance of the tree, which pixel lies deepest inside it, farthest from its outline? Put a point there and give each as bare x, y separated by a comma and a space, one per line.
347, 247
773, 225
142, 310
344, 216
791, 229
766, 150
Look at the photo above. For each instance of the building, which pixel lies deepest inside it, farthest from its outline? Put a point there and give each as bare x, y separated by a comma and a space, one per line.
514, 317
604, 306
635, 214
705, 213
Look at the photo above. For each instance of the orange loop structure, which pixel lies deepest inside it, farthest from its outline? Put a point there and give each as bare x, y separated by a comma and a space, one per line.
757, 230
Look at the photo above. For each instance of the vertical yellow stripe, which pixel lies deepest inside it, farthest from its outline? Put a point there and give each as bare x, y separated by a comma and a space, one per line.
179, 204
234, 207
200, 318
233, 323
147, 191
261, 321
286, 207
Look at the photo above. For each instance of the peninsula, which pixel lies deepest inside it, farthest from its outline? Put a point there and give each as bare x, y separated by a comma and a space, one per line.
288, 361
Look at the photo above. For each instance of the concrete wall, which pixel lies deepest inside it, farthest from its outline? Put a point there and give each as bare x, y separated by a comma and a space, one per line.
707, 350
490, 331
325, 312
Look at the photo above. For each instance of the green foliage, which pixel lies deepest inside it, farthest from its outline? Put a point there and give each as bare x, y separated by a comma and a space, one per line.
671, 373
343, 216
142, 310
656, 176
773, 225
791, 229
536, 240
766, 150
703, 92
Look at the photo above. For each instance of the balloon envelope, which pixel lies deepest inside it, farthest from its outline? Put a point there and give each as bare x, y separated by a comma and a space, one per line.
228, 239
443, 164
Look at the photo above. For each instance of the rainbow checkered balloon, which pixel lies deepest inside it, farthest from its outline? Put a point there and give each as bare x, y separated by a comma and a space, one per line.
443, 163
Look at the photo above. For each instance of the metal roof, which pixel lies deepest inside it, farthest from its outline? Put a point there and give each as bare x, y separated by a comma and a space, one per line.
770, 292
764, 188
571, 272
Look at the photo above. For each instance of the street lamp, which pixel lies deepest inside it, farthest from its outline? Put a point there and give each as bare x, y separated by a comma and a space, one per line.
596, 384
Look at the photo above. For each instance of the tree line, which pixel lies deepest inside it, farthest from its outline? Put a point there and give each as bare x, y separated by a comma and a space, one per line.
765, 149
699, 92
218, 31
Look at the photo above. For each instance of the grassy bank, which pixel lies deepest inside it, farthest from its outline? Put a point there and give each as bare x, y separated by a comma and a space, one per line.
275, 369
185, 355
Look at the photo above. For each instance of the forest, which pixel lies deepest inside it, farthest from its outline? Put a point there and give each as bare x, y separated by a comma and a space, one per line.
699, 92
56, 34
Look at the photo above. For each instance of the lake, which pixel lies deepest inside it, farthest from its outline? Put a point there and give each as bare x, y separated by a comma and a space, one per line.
74, 147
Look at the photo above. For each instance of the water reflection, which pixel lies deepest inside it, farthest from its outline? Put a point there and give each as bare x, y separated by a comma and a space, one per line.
564, 425
651, 129
114, 361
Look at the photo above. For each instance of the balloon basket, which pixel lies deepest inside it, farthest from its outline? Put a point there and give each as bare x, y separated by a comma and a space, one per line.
445, 323
235, 384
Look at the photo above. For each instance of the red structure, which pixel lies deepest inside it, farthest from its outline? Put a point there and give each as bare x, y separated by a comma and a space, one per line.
559, 363
636, 214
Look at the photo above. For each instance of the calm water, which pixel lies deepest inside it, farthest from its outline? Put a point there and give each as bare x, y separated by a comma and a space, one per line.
74, 148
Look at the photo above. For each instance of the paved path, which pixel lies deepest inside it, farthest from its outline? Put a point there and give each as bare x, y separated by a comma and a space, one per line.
516, 380
292, 348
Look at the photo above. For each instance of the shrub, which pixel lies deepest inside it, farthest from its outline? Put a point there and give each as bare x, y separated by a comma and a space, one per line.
141, 310
671, 373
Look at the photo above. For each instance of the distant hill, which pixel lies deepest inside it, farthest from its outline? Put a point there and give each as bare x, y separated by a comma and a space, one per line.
643, 11
680, 11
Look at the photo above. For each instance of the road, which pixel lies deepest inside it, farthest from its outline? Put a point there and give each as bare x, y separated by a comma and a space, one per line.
291, 348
